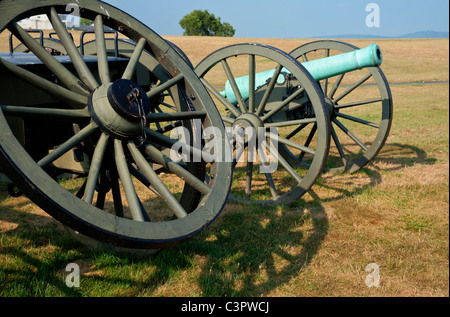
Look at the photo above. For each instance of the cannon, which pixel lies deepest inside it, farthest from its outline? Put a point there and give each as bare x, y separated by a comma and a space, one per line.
85, 133
253, 88
319, 69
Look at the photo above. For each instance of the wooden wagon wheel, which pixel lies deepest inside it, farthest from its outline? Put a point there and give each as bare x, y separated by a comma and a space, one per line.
287, 99
120, 133
362, 108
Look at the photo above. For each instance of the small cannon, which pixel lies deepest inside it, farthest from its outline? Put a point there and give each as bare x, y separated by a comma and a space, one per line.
319, 69
295, 99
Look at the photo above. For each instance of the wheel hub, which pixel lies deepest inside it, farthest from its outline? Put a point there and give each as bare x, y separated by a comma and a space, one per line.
330, 107
120, 108
248, 121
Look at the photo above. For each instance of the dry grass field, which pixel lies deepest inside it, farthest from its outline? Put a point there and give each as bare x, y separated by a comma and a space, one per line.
394, 213
405, 60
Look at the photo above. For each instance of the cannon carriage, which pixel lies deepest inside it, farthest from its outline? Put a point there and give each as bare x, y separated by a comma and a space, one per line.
90, 132
323, 121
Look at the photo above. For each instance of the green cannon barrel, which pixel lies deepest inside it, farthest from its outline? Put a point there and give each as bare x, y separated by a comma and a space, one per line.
319, 69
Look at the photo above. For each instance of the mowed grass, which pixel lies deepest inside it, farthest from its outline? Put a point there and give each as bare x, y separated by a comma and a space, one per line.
393, 213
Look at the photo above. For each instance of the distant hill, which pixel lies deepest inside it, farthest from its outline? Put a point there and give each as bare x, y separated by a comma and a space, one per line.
426, 35
415, 35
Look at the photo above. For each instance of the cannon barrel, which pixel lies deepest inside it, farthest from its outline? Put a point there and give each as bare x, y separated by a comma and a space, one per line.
319, 69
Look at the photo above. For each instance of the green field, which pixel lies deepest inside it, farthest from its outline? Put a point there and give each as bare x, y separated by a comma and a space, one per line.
394, 213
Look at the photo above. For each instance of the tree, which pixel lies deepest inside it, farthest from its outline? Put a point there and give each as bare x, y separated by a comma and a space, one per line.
203, 23
84, 21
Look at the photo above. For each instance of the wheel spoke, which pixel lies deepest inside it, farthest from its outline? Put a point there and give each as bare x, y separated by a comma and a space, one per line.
236, 91
101, 197
103, 68
248, 180
131, 67
63, 74
156, 182
167, 163
353, 87
283, 104
362, 121
80, 191
325, 81
358, 103
166, 105
292, 144
77, 60
132, 171
48, 113
285, 164
338, 146
164, 86
115, 190
251, 85
94, 168
350, 134
174, 116
140, 177
69, 144
168, 142
222, 100
269, 178
296, 131
103, 189
134, 203
228, 120
336, 86
271, 183
61, 93
239, 151
169, 127
290, 123
269, 90
308, 141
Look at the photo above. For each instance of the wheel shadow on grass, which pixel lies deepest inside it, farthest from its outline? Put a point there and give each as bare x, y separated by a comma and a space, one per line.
251, 250
395, 156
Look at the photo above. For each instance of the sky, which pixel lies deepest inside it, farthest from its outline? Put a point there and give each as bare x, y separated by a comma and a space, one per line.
297, 18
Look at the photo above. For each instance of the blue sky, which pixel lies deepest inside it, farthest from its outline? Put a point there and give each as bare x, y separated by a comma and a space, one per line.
295, 18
